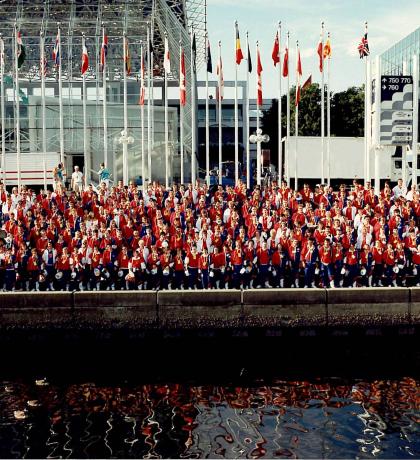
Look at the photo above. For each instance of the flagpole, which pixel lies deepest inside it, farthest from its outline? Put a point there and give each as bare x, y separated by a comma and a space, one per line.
219, 105
236, 109
366, 158
296, 119
17, 110
248, 154
60, 98
207, 116
193, 115
181, 116
149, 123
44, 128
322, 108
258, 130
166, 125
415, 74
85, 146
104, 103
287, 159
328, 118
280, 152
124, 144
152, 101
3, 118
142, 116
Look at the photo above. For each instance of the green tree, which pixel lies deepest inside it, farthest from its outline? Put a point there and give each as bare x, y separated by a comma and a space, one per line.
347, 112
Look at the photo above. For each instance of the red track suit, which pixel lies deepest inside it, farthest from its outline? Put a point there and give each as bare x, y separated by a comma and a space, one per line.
416, 262
236, 260
352, 267
263, 264
203, 265
389, 263
325, 257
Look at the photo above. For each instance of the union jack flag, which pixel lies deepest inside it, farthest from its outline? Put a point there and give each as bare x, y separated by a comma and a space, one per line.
363, 47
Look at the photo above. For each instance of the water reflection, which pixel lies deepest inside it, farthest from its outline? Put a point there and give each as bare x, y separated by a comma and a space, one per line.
286, 419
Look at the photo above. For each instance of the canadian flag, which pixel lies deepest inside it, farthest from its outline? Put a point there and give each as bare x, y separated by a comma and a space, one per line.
221, 83
182, 87
298, 75
166, 60
259, 81
85, 58
286, 63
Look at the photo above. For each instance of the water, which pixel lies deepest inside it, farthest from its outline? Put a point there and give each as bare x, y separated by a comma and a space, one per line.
333, 418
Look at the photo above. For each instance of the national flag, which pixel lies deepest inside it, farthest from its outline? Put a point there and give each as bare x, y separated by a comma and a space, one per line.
327, 49
127, 57
286, 63
307, 83
259, 81
194, 53
209, 63
363, 47
104, 50
56, 51
142, 87
249, 60
2, 61
85, 59
221, 83
166, 59
298, 75
43, 67
182, 82
21, 54
239, 56
320, 52
276, 50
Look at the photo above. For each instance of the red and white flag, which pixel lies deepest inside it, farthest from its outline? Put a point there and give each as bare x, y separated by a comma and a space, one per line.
182, 81
221, 83
142, 87
166, 59
286, 63
276, 50
259, 81
85, 59
104, 50
298, 76
320, 51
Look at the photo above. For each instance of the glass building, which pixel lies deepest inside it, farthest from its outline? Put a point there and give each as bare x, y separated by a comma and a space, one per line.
393, 60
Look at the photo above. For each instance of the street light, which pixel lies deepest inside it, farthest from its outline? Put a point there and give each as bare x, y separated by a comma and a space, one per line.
257, 138
125, 140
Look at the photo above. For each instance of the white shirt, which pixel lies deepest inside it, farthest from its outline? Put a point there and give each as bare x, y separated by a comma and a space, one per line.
77, 177
399, 191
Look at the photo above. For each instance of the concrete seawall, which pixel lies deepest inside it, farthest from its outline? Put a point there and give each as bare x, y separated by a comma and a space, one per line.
212, 309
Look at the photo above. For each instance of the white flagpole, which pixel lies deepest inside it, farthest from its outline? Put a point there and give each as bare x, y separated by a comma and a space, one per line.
166, 127
322, 108
296, 120
85, 139
236, 111
366, 158
287, 159
206, 44
149, 97
17, 110
415, 74
3, 118
125, 145
193, 117
328, 119
280, 152
44, 128
181, 121
248, 154
219, 106
152, 101
104, 104
60, 98
258, 127
142, 116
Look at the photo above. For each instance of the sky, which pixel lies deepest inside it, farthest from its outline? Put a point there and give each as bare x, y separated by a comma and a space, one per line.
388, 22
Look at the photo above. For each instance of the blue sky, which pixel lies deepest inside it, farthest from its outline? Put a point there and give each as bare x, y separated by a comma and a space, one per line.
389, 21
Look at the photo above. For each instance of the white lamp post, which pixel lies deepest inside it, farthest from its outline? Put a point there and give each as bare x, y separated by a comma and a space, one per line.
257, 139
125, 140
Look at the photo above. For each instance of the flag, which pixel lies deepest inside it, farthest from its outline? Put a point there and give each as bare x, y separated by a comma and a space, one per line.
307, 83
85, 59
209, 63
363, 47
194, 53
259, 81
286, 63
1, 53
276, 50
239, 55
43, 67
166, 60
221, 83
321, 56
56, 51
298, 75
21, 54
249, 60
127, 57
327, 49
104, 50
182, 83
142, 87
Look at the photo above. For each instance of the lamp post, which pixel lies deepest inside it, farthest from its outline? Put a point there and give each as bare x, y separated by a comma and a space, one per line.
257, 138
125, 140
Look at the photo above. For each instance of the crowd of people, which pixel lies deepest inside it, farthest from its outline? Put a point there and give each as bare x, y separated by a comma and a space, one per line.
188, 237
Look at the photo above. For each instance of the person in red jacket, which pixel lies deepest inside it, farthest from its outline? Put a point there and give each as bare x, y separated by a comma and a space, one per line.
219, 263
191, 265
416, 263
203, 267
236, 259
325, 257
263, 257
390, 265
33, 267
378, 263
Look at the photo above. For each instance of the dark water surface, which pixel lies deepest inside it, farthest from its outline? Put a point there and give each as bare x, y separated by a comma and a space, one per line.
220, 402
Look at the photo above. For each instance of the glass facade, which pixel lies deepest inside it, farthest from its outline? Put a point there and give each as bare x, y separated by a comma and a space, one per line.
392, 60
